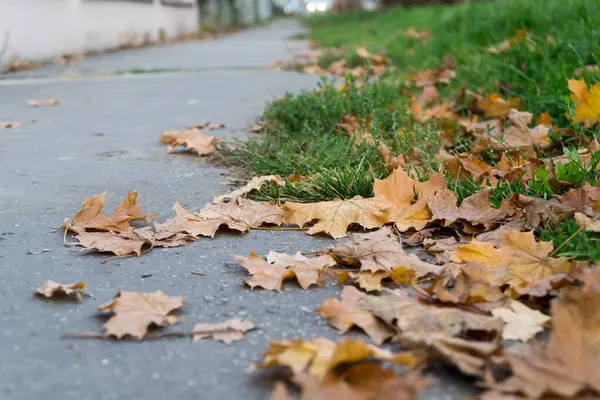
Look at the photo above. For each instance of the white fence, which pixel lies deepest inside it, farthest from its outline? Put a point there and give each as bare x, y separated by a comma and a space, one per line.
37, 29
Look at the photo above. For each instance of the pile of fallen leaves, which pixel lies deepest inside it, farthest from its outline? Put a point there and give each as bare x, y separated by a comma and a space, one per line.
365, 64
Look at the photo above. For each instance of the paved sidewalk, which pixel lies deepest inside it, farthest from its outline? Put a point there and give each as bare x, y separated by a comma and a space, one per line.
104, 136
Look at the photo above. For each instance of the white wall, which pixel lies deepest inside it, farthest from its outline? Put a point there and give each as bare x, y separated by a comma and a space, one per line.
45, 28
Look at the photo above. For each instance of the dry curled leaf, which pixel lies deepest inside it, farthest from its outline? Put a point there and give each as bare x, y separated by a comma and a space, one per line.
247, 213
496, 106
90, 217
120, 244
567, 366
346, 313
367, 381
192, 225
319, 357
585, 199
270, 274
520, 261
227, 332
9, 125
411, 317
522, 323
379, 251
519, 136
334, 217
209, 126
135, 312
587, 223
253, 184
51, 289
43, 103
191, 139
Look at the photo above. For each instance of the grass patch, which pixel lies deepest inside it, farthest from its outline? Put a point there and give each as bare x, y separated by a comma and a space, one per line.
563, 36
573, 242
302, 135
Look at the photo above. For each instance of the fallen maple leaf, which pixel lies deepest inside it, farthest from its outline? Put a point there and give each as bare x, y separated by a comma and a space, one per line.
51, 289
90, 217
227, 332
256, 128
522, 323
587, 223
462, 289
334, 217
356, 129
587, 103
496, 106
43, 103
421, 35
319, 357
539, 211
519, 261
471, 357
412, 317
568, 365
585, 199
519, 136
191, 139
376, 59
253, 184
270, 274
347, 313
544, 119
397, 188
363, 382
209, 126
248, 213
135, 312
120, 244
379, 251
476, 210
8, 125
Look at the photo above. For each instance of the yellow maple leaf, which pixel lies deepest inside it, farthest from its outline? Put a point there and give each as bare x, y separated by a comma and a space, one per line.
335, 216
587, 103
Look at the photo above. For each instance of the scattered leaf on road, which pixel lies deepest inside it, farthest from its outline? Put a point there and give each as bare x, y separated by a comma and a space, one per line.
44, 102
191, 139
334, 217
270, 274
347, 313
227, 332
254, 184
51, 289
8, 125
320, 356
135, 312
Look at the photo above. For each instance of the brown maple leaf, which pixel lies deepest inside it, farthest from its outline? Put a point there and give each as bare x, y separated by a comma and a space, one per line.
120, 244
521, 322
519, 260
71, 291
367, 381
270, 274
421, 35
9, 125
585, 199
496, 106
356, 129
43, 103
248, 213
319, 357
135, 312
192, 225
346, 313
191, 139
379, 251
519, 136
227, 332
567, 366
90, 217
411, 317
398, 188
254, 184
476, 210
334, 217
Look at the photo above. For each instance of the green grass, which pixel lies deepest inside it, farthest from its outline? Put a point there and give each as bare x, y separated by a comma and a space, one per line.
301, 135
573, 242
564, 36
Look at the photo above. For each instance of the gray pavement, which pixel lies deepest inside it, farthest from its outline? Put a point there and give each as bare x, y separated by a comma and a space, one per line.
103, 136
